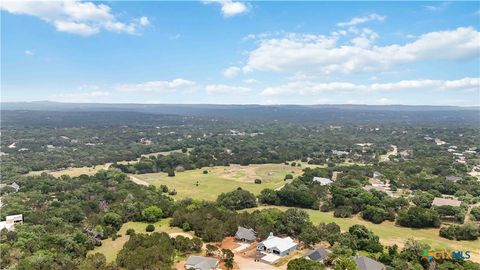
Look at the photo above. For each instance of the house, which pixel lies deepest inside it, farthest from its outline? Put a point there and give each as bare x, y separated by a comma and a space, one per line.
11, 221
317, 255
277, 245
201, 263
339, 153
442, 201
13, 185
245, 235
365, 263
377, 175
323, 181
453, 178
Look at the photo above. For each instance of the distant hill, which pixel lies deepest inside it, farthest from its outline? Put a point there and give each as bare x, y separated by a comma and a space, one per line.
290, 113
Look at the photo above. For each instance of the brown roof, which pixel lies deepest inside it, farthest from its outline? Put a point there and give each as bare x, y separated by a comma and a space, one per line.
442, 201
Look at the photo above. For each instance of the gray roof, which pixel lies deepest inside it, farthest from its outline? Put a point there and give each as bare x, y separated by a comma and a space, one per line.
317, 254
323, 181
202, 263
365, 263
453, 178
244, 233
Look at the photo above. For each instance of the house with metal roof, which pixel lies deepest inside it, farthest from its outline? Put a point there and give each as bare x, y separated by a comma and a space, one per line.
277, 245
201, 263
365, 263
245, 235
322, 181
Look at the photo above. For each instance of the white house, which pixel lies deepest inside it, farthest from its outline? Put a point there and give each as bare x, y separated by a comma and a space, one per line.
277, 245
11, 221
323, 181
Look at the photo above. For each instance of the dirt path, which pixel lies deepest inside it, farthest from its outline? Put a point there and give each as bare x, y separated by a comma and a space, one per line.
393, 152
138, 181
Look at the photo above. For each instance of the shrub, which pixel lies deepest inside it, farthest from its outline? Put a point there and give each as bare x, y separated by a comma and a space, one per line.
288, 176
258, 181
130, 231
343, 212
468, 231
150, 228
205, 172
476, 213
171, 173
164, 188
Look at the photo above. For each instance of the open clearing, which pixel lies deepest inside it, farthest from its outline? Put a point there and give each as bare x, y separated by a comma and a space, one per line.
110, 248
390, 233
94, 169
222, 179
71, 171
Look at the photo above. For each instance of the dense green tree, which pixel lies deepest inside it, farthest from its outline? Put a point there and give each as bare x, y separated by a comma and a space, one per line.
304, 264
152, 213
237, 199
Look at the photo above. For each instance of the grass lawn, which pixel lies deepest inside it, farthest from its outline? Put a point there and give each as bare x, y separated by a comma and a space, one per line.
71, 171
110, 248
222, 179
390, 233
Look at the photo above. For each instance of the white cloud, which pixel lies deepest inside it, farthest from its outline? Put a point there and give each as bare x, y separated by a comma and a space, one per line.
322, 54
231, 72
364, 19
250, 81
226, 89
29, 53
441, 7
158, 86
144, 21
92, 87
230, 8
81, 97
75, 17
384, 101
175, 37
312, 88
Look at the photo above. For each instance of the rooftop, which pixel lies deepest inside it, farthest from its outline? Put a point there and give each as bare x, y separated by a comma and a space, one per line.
202, 263
323, 181
365, 263
442, 201
282, 244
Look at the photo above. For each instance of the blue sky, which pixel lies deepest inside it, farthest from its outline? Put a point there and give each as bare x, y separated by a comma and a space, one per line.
417, 53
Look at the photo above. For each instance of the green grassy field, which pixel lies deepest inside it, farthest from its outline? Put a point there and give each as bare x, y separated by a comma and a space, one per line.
390, 233
110, 248
222, 179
